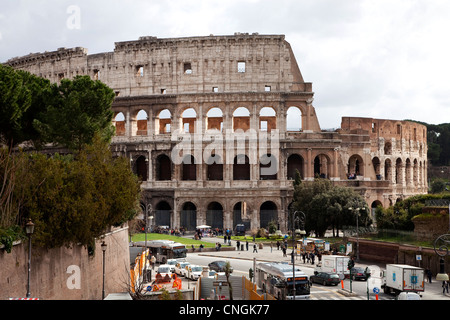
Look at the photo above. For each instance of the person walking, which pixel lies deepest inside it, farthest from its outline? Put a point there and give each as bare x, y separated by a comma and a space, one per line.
255, 249
429, 275
444, 287
246, 245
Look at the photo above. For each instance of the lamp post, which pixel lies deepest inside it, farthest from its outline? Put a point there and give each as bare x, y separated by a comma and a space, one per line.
441, 245
296, 219
29, 229
104, 246
357, 229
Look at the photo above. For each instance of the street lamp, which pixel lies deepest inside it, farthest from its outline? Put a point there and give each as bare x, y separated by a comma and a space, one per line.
357, 229
296, 219
103, 245
29, 229
441, 248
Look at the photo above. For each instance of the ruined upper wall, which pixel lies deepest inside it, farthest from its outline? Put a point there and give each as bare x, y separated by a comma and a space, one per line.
388, 129
148, 66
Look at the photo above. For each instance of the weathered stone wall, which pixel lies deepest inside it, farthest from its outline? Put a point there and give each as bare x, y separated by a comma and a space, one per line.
157, 80
55, 272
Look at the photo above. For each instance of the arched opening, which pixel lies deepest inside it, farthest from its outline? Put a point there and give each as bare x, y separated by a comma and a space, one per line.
214, 215
141, 119
376, 163
387, 148
189, 168
189, 117
355, 167
241, 215
294, 163
267, 212
388, 169
241, 167
164, 122
119, 123
214, 119
163, 168
188, 216
373, 208
241, 119
162, 214
399, 171
214, 168
322, 166
294, 119
140, 168
268, 167
267, 119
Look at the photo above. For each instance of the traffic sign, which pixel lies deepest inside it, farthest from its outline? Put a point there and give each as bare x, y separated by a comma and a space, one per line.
376, 290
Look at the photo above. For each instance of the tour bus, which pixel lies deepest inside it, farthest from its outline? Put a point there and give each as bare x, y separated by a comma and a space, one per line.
277, 280
166, 249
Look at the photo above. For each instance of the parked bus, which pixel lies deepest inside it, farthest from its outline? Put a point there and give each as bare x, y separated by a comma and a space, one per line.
166, 249
277, 279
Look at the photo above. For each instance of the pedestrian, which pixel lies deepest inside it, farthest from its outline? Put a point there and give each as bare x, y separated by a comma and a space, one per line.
255, 249
278, 245
284, 251
444, 286
304, 257
246, 244
152, 261
238, 244
429, 275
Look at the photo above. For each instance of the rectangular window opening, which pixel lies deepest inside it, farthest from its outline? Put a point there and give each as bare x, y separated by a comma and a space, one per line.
187, 68
140, 71
241, 66
267, 88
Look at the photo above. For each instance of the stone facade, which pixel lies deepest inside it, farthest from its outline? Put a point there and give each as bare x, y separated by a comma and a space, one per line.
217, 126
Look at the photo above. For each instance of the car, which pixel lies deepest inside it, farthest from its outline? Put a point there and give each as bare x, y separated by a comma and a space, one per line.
358, 273
408, 296
219, 266
165, 269
180, 268
172, 263
194, 271
325, 278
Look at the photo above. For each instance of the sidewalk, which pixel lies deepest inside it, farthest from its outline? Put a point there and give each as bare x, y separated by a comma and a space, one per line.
433, 290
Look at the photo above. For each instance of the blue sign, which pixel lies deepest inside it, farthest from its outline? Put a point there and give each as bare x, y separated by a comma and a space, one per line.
376, 290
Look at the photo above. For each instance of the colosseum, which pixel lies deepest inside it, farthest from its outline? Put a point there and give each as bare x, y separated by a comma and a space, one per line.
217, 126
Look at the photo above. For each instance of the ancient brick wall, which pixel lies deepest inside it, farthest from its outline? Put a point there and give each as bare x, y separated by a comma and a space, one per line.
66, 273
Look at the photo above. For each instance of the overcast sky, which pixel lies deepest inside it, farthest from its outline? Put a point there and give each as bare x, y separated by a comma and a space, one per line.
387, 59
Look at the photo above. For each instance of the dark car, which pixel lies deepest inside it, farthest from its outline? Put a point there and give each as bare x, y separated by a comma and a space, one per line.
358, 274
325, 278
219, 266
240, 230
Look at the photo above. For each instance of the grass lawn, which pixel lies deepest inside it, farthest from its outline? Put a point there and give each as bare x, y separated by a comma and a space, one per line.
160, 236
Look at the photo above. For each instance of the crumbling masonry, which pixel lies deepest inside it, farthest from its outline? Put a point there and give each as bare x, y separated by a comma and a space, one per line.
217, 126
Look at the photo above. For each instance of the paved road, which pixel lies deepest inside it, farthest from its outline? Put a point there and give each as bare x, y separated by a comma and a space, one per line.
433, 291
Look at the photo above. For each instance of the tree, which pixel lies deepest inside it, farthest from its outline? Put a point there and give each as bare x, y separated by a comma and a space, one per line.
77, 110
15, 99
75, 200
326, 205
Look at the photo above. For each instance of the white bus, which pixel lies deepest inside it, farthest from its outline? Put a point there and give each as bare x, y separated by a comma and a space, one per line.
166, 249
277, 279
